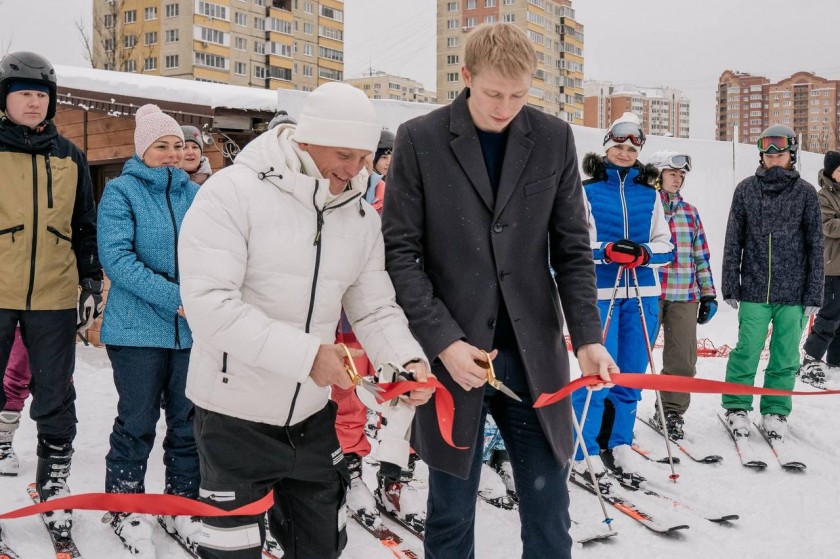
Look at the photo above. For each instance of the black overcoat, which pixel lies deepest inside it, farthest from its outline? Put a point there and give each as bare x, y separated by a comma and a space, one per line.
454, 248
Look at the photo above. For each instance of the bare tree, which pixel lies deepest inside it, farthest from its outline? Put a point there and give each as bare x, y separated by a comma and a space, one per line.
112, 45
6, 47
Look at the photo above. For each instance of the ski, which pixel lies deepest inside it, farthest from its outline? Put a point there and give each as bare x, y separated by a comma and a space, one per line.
686, 446
192, 551
585, 533
782, 449
625, 505
65, 548
508, 502
746, 451
385, 512
7, 552
391, 540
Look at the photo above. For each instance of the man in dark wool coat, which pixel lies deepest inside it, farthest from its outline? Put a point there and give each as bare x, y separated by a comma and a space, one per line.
484, 199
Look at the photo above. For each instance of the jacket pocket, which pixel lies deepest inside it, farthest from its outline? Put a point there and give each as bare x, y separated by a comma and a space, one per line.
59, 236
11, 231
541, 185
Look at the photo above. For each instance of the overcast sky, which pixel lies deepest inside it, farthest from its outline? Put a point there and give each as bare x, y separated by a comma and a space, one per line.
679, 43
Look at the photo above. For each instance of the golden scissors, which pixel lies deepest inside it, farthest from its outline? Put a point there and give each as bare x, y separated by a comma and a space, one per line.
493, 381
355, 377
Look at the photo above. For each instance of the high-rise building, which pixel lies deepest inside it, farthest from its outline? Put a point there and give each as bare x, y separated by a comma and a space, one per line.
557, 88
663, 111
806, 102
380, 85
290, 44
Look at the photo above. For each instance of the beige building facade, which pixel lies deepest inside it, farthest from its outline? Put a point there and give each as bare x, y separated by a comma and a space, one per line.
380, 85
663, 111
290, 44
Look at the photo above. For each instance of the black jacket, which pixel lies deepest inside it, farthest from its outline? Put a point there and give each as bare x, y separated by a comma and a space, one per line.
454, 249
774, 242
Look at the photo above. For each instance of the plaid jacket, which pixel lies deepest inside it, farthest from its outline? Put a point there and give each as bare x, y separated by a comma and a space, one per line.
689, 276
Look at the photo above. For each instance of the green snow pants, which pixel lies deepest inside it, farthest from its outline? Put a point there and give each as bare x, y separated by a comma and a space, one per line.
753, 320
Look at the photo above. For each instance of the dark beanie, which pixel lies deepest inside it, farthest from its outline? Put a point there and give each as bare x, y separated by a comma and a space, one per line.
379, 153
832, 161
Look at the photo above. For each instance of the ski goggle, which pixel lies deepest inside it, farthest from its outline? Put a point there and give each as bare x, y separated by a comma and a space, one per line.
774, 143
679, 162
625, 131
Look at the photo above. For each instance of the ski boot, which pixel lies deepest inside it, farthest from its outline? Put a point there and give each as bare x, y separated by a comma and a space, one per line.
135, 531
9, 463
500, 462
51, 483
398, 498
738, 422
674, 423
624, 463
812, 371
491, 488
360, 500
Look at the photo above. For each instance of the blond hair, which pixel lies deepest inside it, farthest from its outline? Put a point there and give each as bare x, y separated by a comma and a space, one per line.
501, 46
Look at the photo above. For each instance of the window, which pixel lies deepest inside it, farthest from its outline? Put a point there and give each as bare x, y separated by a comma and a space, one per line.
240, 43
452, 42
307, 28
211, 36
452, 6
452, 24
171, 10
171, 61
150, 13
332, 54
307, 7
150, 38
308, 50
211, 61
171, 36
259, 72
452, 59
331, 33
130, 65
332, 13
240, 19
110, 21
330, 74
470, 5
452, 76
150, 63
509, 2
281, 49
307, 70
213, 11
108, 45
489, 3
240, 68
259, 47
284, 74
259, 23
451, 95
130, 16
129, 41
281, 26
489, 19
509, 18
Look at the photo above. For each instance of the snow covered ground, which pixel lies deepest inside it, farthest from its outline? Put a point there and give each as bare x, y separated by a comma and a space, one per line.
782, 514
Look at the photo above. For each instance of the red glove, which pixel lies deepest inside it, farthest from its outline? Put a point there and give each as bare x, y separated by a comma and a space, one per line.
627, 253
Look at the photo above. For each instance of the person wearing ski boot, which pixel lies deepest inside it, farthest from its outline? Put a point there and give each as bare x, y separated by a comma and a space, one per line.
16, 386
773, 275
688, 290
144, 329
272, 249
483, 196
48, 239
627, 228
194, 162
496, 485
824, 339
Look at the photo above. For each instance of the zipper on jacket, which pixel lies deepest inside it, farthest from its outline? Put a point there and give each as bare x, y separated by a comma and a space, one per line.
34, 233
626, 229
11, 230
57, 234
175, 248
49, 182
769, 265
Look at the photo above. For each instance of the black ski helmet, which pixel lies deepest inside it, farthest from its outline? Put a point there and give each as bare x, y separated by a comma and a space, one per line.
779, 131
27, 66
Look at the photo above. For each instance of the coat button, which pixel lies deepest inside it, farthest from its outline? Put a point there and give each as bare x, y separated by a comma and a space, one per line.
497, 228
491, 323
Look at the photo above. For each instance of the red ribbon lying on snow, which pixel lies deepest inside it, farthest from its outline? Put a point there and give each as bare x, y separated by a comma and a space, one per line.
143, 503
672, 383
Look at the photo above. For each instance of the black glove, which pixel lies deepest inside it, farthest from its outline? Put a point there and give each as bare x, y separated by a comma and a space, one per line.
90, 303
708, 308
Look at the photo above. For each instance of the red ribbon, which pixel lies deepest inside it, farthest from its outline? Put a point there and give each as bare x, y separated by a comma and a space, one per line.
673, 383
143, 503
444, 403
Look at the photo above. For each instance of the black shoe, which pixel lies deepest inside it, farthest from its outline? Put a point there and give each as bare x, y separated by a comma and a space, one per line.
674, 424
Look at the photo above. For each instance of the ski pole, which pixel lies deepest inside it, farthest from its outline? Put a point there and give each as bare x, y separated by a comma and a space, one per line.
674, 475
607, 320
589, 467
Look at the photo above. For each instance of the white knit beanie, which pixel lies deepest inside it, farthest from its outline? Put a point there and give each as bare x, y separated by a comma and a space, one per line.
338, 115
153, 124
626, 117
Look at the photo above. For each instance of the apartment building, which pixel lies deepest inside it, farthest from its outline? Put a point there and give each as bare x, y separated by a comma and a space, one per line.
273, 44
381, 85
550, 24
663, 111
804, 101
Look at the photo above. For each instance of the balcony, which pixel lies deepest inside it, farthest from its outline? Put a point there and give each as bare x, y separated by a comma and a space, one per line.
282, 5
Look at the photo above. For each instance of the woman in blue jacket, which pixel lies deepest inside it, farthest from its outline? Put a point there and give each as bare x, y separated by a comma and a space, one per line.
144, 329
626, 227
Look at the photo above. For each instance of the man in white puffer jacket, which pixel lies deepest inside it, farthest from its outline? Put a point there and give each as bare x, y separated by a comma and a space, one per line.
270, 251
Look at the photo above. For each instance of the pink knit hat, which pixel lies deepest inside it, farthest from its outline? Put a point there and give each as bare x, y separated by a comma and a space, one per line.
153, 124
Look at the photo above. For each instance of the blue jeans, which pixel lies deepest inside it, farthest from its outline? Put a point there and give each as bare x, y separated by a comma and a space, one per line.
540, 480
631, 357
145, 377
